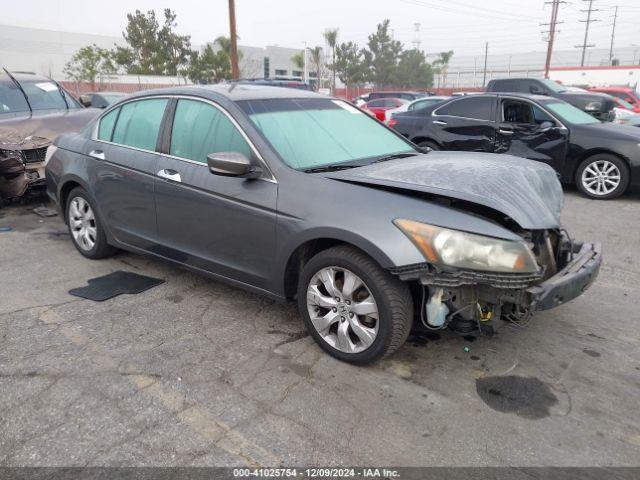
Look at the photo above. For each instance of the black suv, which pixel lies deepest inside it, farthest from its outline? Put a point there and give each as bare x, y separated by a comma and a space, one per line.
598, 105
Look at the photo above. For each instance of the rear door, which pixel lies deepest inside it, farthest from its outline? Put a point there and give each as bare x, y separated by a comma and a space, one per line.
122, 167
225, 225
465, 124
527, 130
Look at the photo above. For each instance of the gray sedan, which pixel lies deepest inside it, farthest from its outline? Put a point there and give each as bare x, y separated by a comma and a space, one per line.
295, 195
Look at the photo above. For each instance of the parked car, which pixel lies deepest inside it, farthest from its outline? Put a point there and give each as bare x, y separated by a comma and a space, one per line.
379, 106
409, 96
602, 159
599, 105
628, 94
292, 194
415, 105
101, 99
33, 111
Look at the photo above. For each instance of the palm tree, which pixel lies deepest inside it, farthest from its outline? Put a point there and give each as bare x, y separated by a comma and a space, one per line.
331, 36
298, 61
316, 61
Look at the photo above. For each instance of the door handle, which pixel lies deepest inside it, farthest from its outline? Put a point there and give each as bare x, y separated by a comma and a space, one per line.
505, 132
170, 174
97, 154
439, 122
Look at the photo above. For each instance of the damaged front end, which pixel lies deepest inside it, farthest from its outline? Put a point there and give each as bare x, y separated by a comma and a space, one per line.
22, 167
469, 300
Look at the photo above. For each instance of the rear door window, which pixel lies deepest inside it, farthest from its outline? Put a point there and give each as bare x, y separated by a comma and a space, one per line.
476, 108
200, 129
139, 123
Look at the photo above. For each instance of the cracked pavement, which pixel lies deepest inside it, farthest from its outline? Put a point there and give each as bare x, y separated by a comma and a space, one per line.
194, 372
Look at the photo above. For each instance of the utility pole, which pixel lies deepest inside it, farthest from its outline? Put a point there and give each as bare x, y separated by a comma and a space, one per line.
484, 75
613, 34
555, 4
587, 22
235, 71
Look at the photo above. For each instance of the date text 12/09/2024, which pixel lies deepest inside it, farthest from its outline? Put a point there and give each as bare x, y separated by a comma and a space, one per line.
315, 473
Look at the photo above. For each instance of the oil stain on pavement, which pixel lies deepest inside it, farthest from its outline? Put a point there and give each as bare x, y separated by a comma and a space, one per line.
527, 397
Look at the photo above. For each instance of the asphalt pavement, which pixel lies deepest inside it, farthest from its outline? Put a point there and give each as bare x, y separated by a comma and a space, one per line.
194, 372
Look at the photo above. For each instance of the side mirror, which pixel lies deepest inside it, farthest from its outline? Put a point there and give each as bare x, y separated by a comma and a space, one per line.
232, 164
85, 100
535, 90
545, 126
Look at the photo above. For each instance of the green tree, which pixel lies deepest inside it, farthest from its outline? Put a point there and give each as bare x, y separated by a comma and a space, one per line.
211, 65
316, 63
152, 49
298, 60
87, 63
349, 64
413, 70
382, 56
331, 36
441, 64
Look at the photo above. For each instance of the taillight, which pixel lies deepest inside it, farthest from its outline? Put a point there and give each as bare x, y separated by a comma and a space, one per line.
393, 122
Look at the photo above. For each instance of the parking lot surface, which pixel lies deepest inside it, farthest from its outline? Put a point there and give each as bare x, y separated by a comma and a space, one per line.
194, 372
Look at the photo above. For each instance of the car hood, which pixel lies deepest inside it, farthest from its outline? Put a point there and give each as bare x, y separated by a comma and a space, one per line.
18, 132
584, 98
610, 130
527, 191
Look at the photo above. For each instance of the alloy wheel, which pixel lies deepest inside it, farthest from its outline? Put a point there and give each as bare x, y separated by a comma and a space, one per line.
342, 309
82, 223
601, 177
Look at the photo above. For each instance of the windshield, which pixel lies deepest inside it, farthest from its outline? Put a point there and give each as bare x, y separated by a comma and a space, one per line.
626, 105
112, 97
571, 114
553, 86
316, 132
43, 95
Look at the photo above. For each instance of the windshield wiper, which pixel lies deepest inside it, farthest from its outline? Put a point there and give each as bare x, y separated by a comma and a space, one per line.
394, 156
330, 168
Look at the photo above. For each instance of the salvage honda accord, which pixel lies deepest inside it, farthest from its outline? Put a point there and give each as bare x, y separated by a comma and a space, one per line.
296, 195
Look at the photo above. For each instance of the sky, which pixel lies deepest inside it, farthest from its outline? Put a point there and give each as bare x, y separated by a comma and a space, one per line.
459, 25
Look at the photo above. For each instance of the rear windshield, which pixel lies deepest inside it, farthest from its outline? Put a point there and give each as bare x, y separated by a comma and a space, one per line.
42, 95
309, 133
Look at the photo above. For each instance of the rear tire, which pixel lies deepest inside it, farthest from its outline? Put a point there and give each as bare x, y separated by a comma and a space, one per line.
602, 176
427, 144
85, 228
344, 323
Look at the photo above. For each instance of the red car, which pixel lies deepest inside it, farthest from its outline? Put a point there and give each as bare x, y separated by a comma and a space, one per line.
380, 105
626, 94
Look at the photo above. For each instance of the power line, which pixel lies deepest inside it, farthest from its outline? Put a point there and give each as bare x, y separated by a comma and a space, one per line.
587, 22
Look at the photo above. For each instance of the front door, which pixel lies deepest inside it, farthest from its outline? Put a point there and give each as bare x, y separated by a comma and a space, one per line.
225, 225
526, 130
122, 163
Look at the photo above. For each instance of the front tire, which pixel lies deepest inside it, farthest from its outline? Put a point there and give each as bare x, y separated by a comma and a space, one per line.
602, 176
355, 310
85, 228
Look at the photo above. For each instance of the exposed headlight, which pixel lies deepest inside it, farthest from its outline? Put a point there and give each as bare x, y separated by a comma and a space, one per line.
51, 149
454, 248
593, 106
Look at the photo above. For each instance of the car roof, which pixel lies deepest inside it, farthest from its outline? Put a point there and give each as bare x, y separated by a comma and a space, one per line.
234, 92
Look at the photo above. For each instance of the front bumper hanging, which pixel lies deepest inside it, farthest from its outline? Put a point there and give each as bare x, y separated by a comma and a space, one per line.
570, 282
